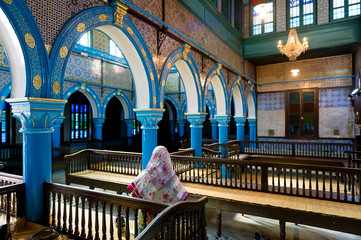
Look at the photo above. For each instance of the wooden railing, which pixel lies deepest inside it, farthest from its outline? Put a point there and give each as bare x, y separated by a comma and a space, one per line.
12, 200
231, 149
184, 152
299, 149
11, 155
88, 214
209, 153
105, 161
353, 158
58, 158
321, 182
184, 220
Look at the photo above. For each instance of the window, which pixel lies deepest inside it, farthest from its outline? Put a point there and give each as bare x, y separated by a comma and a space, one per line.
3, 125
114, 50
301, 13
302, 113
226, 9
345, 8
79, 121
85, 40
262, 18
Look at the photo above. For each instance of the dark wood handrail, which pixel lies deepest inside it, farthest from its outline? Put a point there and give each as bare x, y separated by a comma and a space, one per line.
321, 182
300, 149
104, 160
88, 214
167, 224
183, 152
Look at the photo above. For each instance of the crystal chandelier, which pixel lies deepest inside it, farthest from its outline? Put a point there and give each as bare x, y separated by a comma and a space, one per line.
293, 47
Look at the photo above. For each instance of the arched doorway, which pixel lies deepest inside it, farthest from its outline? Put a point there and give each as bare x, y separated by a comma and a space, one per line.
114, 128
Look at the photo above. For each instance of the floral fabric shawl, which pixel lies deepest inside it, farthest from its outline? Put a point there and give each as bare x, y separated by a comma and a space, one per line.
158, 182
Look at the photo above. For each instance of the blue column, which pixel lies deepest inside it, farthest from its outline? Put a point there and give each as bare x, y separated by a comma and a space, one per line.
98, 128
223, 122
129, 123
252, 129
214, 125
36, 116
196, 121
181, 124
240, 123
149, 119
56, 135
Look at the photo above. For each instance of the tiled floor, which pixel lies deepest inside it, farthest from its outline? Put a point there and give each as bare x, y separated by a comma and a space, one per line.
235, 226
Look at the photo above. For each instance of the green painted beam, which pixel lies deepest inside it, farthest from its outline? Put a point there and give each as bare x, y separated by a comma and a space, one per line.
319, 36
210, 17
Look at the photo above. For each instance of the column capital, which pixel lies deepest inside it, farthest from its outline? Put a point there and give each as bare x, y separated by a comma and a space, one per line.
196, 119
240, 121
181, 121
36, 114
98, 121
252, 121
213, 121
223, 120
58, 121
149, 117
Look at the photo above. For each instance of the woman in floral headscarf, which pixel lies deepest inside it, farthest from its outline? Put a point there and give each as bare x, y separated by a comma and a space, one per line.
158, 182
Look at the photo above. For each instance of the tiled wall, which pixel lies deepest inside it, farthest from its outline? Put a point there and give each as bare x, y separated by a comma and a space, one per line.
329, 67
335, 109
4, 61
100, 41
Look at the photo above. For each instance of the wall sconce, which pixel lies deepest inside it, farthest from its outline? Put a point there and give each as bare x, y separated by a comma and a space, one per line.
295, 72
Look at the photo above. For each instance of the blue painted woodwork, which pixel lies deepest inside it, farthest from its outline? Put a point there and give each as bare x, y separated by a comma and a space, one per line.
196, 125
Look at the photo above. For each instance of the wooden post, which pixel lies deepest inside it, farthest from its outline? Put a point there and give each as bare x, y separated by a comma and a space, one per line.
219, 224
282, 230
264, 178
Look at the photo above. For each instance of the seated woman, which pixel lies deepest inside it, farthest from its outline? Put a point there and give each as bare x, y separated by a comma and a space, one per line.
158, 182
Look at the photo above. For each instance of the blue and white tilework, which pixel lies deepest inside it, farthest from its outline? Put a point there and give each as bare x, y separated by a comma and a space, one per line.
83, 69
5, 78
334, 97
100, 41
172, 83
271, 101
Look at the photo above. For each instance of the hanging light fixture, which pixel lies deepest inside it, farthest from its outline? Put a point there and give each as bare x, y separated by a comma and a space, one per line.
293, 47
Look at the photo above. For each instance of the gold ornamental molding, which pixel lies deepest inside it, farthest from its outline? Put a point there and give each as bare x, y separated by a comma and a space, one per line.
143, 52
186, 50
120, 13
130, 31
29, 39
37, 82
80, 27
8, 1
56, 87
102, 17
63, 51
219, 69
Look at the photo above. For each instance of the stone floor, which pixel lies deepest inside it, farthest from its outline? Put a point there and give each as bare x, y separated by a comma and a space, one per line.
238, 227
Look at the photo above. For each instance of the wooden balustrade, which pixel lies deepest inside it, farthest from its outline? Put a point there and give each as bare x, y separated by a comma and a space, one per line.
88, 214
189, 152
12, 200
58, 158
353, 158
11, 155
299, 149
105, 161
183, 220
321, 182
210, 153
231, 149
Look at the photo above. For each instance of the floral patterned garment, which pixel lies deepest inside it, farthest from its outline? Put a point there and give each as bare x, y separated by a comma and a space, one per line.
158, 182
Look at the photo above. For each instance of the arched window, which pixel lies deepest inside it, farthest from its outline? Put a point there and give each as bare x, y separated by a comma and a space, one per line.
114, 50
78, 118
263, 19
3, 124
79, 121
85, 40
